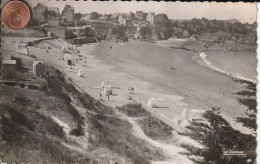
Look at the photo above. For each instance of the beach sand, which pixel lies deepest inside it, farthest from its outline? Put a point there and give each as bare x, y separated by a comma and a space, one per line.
176, 76
179, 78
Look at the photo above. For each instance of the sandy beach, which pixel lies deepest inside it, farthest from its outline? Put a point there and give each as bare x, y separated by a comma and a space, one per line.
178, 77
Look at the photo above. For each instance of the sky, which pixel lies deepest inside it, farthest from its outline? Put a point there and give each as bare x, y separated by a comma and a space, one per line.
244, 12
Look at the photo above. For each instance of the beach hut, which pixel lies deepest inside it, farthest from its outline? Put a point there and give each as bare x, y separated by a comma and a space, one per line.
38, 68
63, 49
8, 69
80, 73
185, 115
105, 82
107, 90
49, 34
18, 61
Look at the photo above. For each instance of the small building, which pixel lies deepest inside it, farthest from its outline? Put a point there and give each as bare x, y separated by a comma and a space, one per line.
53, 13
115, 16
68, 13
103, 18
123, 20
18, 62
8, 69
38, 68
151, 17
79, 31
22, 47
39, 13
43, 14
140, 15
85, 17
61, 32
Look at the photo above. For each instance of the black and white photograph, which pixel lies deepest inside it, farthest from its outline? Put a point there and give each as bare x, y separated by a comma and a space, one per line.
128, 82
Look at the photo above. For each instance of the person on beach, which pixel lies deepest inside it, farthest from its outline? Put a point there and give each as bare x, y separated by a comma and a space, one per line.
100, 95
69, 62
107, 91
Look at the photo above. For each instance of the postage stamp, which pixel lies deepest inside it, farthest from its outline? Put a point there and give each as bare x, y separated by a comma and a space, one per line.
113, 82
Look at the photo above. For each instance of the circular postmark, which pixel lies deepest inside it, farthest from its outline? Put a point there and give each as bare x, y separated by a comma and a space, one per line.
15, 15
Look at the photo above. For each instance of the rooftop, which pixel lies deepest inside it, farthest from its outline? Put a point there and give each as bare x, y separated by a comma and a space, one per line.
77, 27
54, 9
36, 62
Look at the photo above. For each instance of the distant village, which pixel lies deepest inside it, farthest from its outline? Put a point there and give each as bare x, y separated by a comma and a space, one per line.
78, 28
77, 31
53, 16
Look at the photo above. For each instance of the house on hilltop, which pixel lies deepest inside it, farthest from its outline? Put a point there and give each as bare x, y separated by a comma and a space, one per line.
123, 19
39, 13
43, 14
115, 16
53, 13
151, 17
140, 15
103, 18
85, 17
68, 13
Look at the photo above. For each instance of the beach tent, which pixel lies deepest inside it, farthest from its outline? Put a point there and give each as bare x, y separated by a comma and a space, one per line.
67, 57
80, 73
107, 90
185, 115
105, 82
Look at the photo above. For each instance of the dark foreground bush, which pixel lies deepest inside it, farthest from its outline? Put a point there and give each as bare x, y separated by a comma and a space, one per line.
220, 136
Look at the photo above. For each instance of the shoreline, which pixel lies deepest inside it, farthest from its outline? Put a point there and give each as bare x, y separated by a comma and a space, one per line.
211, 66
208, 63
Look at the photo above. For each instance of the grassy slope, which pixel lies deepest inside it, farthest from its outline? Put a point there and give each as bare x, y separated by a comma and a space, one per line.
29, 134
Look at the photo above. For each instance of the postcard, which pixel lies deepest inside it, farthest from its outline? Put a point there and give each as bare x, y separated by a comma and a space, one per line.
127, 82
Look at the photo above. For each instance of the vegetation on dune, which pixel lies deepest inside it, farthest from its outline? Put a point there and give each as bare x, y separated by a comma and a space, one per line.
20, 145
155, 129
109, 132
30, 132
116, 135
133, 110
